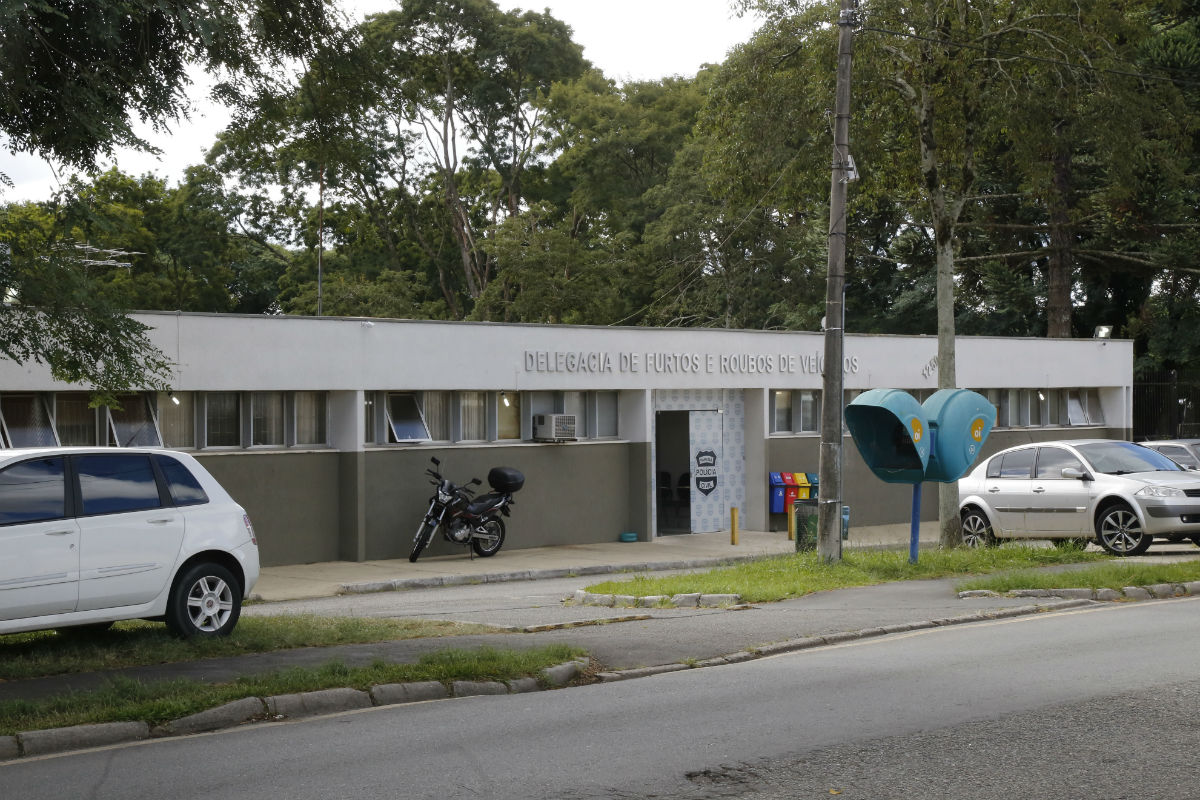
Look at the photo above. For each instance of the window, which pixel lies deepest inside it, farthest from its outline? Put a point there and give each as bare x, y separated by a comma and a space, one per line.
781, 411
26, 421
177, 419
436, 409
132, 425
575, 403
1095, 414
607, 404
1036, 401
74, 419
184, 488
116, 483
266, 419
1018, 463
311, 418
223, 419
369, 417
404, 420
1076, 414
1053, 460
472, 416
508, 416
810, 411
33, 491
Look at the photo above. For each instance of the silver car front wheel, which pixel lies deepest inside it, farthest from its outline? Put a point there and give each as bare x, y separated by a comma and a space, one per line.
1120, 532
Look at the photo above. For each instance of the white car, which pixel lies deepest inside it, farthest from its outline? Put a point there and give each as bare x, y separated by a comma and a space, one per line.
1122, 494
92, 535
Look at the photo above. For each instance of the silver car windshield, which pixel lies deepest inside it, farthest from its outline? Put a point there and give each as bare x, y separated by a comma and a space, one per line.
1123, 458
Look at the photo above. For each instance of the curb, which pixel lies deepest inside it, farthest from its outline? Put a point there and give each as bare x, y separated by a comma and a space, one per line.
693, 600
1157, 591
279, 707
401, 584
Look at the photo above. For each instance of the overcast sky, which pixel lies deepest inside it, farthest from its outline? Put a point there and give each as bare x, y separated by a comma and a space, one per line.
627, 39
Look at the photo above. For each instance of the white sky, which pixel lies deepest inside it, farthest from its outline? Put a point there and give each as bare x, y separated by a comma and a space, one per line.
626, 39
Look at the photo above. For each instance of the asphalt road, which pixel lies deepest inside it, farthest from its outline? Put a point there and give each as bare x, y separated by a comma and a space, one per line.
1092, 702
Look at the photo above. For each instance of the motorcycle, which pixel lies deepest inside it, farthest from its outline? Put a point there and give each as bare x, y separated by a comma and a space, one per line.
465, 519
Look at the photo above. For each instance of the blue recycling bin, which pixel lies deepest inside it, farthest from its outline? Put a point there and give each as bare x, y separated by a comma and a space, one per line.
889, 429
778, 491
959, 421
814, 484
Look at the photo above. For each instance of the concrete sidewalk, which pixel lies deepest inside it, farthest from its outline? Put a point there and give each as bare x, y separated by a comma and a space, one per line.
686, 551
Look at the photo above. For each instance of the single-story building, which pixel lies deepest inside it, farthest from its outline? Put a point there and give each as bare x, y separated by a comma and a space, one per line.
322, 427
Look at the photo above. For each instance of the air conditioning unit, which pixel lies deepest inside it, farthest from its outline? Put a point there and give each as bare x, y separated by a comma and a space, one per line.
554, 428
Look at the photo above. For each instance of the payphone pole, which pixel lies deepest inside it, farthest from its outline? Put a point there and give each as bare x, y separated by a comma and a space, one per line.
829, 518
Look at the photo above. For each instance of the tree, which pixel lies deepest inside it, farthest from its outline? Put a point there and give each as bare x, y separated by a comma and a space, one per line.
53, 312
73, 75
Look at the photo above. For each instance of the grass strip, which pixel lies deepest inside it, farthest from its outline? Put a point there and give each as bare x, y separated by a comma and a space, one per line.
781, 577
137, 643
125, 700
1106, 576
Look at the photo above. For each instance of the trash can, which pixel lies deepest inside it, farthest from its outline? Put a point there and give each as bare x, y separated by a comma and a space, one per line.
806, 524
777, 493
791, 489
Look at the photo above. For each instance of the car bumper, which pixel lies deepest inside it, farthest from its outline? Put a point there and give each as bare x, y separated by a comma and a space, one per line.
1172, 517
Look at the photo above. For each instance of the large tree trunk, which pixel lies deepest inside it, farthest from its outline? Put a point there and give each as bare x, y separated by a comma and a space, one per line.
949, 523
1060, 265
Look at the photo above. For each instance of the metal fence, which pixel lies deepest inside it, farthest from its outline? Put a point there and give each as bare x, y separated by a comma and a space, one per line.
1166, 405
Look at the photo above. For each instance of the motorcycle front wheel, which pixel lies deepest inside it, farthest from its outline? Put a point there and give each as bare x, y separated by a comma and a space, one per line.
494, 529
422, 539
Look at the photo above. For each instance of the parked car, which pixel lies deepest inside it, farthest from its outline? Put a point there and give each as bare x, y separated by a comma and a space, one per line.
1182, 451
89, 536
1122, 494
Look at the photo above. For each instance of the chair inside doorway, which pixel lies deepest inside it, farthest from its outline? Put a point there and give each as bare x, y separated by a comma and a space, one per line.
674, 503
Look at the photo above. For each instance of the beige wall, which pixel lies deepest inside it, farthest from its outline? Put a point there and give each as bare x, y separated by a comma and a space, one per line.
292, 499
573, 494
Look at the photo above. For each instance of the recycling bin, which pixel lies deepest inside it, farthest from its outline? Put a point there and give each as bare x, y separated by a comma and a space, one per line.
777, 493
802, 487
791, 490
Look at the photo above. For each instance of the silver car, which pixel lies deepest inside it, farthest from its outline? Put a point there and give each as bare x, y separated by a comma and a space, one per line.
1185, 452
1122, 494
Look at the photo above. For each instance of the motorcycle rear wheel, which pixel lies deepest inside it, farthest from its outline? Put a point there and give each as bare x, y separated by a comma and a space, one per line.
484, 548
422, 539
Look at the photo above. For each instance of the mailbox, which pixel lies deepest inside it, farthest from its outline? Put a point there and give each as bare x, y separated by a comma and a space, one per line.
960, 421
777, 492
890, 431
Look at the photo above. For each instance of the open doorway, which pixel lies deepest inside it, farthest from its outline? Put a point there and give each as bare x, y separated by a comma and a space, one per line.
689, 489
672, 475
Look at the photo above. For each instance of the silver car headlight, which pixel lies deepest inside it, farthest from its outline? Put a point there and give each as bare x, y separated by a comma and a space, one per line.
1160, 491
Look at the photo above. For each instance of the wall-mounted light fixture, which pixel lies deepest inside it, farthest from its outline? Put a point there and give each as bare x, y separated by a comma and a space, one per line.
504, 399
1103, 332
174, 399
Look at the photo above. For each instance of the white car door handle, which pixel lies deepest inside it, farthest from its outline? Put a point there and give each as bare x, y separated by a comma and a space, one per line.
1039, 490
58, 533
993, 489
158, 521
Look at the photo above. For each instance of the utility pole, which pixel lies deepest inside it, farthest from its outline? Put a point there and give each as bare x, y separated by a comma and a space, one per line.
829, 514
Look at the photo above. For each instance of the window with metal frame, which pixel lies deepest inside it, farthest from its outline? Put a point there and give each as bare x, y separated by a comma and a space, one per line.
26, 421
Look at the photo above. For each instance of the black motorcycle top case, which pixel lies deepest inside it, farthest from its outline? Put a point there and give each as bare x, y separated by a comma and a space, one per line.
505, 479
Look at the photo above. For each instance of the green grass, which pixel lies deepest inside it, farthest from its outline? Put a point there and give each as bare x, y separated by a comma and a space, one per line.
803, 573
1105, 576
123, 699
137, 643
